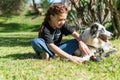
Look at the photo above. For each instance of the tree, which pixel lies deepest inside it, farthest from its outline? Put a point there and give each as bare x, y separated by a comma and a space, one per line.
45, 4
35, 7
85, 12
115, 12
40, 8
90, 11
8, 7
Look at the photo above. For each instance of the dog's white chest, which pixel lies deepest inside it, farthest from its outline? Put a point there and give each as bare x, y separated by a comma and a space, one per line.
97, 43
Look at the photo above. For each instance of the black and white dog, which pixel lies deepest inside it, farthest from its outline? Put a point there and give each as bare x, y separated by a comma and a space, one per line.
97, 39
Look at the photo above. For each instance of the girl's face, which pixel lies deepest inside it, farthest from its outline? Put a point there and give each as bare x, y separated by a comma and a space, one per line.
57, 21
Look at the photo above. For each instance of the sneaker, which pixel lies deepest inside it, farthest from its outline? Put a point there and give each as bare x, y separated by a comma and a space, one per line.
42, 55
45, 56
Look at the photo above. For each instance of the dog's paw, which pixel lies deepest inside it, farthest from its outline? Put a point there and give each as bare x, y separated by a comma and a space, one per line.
94, 58
107, 54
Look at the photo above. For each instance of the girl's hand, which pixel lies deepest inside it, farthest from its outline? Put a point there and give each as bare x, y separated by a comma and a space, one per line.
84, 48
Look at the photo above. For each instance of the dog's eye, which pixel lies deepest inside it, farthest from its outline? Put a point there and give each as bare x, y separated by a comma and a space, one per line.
102, 30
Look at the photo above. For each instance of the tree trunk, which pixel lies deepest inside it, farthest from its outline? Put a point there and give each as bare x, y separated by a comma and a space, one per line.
115, 16
35, 7
116, 23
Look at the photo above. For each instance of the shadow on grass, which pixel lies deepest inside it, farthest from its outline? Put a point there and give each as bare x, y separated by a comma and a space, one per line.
15, 41
20, 56
16, 27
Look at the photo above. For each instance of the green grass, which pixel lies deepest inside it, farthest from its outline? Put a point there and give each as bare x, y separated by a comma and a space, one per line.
20, 23
17, 62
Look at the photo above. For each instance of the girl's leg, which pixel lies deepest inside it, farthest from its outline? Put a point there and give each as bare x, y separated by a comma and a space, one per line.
40, 46
70, 46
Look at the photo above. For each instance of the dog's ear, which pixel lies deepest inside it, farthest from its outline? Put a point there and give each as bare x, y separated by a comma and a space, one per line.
94, 30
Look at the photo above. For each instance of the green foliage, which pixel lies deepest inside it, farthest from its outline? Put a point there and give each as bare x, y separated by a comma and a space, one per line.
8, 7
30, 13
118, 5
45, 5
109, 26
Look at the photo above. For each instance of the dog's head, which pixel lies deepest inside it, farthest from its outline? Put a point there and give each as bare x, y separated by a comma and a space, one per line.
98, 31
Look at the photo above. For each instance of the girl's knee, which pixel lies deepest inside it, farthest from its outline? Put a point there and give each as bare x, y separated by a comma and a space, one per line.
37, 41
36, 44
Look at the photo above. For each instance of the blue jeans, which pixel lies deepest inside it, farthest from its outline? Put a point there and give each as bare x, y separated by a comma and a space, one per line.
40, 46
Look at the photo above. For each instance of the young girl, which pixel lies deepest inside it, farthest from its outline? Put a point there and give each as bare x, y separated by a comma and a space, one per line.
51, 32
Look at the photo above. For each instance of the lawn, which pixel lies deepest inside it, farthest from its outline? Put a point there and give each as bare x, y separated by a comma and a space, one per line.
17, 60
